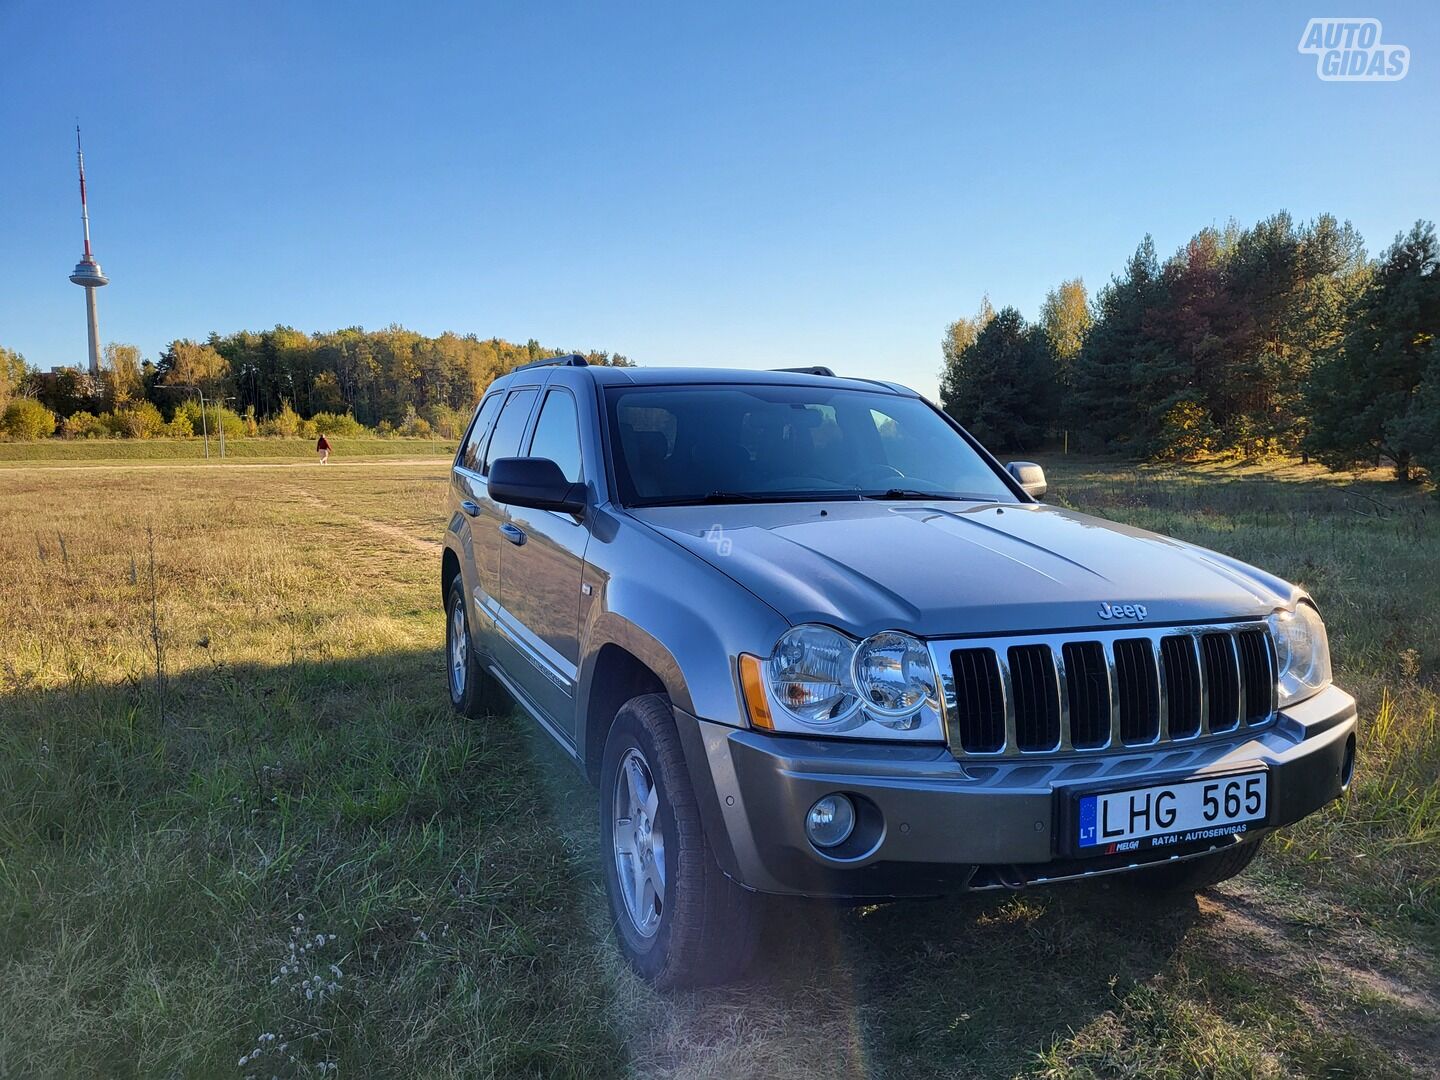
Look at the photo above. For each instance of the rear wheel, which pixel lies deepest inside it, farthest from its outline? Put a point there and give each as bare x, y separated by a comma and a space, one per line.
1196, 874
474, 692
679, 920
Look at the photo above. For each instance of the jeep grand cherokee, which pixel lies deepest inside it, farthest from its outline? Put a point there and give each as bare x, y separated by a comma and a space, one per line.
810, 639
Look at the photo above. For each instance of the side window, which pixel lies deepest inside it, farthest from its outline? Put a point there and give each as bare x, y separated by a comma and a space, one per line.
557, 434
509, 427
475, 444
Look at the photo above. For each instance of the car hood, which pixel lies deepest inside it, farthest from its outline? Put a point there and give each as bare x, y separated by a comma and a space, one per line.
958, 568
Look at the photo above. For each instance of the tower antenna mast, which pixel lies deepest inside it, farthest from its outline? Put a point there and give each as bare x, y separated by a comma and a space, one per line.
87, 273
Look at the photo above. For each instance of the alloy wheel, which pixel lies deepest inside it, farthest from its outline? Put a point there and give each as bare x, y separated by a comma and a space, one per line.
639, 843
459, 650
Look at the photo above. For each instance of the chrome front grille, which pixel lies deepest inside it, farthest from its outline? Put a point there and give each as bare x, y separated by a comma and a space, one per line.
1098, 690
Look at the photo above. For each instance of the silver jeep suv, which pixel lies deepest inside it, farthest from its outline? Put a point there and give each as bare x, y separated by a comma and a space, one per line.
811, 639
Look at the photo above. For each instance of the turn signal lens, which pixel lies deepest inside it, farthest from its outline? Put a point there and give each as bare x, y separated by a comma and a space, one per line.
752, 685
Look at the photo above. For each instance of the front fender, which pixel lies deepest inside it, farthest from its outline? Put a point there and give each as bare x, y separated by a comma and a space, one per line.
675, 613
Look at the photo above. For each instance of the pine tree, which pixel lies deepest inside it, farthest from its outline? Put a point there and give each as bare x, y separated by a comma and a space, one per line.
1002, 386
1104, 407
1370, 397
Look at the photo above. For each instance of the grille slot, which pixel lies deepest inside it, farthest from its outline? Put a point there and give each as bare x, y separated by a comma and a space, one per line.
1256, 674
1037, 697
979, 700
1139, 685
1087, 685
1222, 681
1049, 693
1182, 684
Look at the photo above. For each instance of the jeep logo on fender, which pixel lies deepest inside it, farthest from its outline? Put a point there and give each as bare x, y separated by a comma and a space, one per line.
1122, 611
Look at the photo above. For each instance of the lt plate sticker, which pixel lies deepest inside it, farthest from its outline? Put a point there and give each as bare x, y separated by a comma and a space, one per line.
1171, 814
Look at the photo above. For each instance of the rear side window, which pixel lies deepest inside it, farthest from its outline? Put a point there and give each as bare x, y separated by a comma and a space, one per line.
479, 431
509, 428
557, 434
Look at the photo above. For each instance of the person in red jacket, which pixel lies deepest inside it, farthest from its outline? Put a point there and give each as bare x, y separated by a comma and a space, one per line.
323, 448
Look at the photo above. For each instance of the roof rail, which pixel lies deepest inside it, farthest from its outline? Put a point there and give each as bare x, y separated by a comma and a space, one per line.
570, 360
817, 370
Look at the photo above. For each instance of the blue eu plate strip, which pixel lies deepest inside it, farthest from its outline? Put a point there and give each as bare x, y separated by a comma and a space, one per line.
1088, 836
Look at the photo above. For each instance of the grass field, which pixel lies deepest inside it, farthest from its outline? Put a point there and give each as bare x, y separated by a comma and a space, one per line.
92, 451
242, 834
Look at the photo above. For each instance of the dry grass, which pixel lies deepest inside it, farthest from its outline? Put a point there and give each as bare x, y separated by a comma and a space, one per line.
237, 451
154, 864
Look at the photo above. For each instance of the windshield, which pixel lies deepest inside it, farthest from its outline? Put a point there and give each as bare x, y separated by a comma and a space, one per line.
719, 443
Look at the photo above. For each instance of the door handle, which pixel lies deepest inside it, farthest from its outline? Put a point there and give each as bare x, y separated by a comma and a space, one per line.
513, 533
471, 508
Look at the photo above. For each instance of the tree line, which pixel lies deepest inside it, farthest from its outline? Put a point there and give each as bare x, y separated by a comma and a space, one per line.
282, 381
1280, 338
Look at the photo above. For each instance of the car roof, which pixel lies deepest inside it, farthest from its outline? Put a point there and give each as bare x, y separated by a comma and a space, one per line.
605, 375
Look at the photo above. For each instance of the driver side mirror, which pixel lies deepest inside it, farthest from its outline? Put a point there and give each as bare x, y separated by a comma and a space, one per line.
534, 482
1030, 477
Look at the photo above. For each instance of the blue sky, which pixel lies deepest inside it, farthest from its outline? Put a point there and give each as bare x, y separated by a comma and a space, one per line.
752, 185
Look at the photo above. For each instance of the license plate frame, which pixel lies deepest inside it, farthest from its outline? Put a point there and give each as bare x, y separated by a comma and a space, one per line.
1070, 797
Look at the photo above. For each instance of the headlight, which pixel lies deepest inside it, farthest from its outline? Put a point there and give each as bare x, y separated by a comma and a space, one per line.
1302, 653
810, 675
894, 676
818, 681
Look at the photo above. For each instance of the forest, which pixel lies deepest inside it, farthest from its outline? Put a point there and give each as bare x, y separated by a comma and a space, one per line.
1279, 338
272, 382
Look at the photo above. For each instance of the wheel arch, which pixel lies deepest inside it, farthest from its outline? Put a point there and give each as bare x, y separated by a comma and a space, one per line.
615, 676
449, 571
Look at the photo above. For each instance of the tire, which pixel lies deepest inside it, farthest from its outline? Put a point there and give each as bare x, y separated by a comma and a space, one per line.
704, 928
474, 692
1195, 874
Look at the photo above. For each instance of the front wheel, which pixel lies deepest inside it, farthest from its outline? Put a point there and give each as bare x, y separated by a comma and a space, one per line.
679, 920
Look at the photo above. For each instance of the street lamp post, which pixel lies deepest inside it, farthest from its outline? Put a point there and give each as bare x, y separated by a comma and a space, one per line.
220, 421
204, 427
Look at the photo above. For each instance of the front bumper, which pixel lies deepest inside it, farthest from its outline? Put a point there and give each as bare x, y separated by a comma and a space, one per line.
947, 825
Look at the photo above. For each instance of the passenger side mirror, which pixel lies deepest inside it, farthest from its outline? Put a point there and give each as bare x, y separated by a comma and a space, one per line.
1030, 477
534, 482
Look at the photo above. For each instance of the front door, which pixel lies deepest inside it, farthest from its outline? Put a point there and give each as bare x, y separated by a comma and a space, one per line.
541, 569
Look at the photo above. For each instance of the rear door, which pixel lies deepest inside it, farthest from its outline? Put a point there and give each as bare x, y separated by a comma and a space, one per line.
486, 516
480, 567
541, 568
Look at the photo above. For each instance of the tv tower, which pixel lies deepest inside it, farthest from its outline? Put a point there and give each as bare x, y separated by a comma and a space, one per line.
87, 272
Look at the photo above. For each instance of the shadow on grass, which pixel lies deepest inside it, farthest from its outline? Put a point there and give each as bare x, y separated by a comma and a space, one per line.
973, 985
156, 869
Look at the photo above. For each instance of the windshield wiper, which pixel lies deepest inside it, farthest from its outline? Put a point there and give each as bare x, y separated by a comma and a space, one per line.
911, 493
734, 497
714, 498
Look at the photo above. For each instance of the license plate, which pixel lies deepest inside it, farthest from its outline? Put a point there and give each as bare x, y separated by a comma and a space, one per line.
1166, 815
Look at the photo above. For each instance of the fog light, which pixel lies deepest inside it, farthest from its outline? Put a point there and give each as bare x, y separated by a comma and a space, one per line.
830, 821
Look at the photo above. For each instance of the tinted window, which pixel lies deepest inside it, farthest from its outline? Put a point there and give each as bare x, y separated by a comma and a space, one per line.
475, 445
509, 427
557, 434
686, 443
